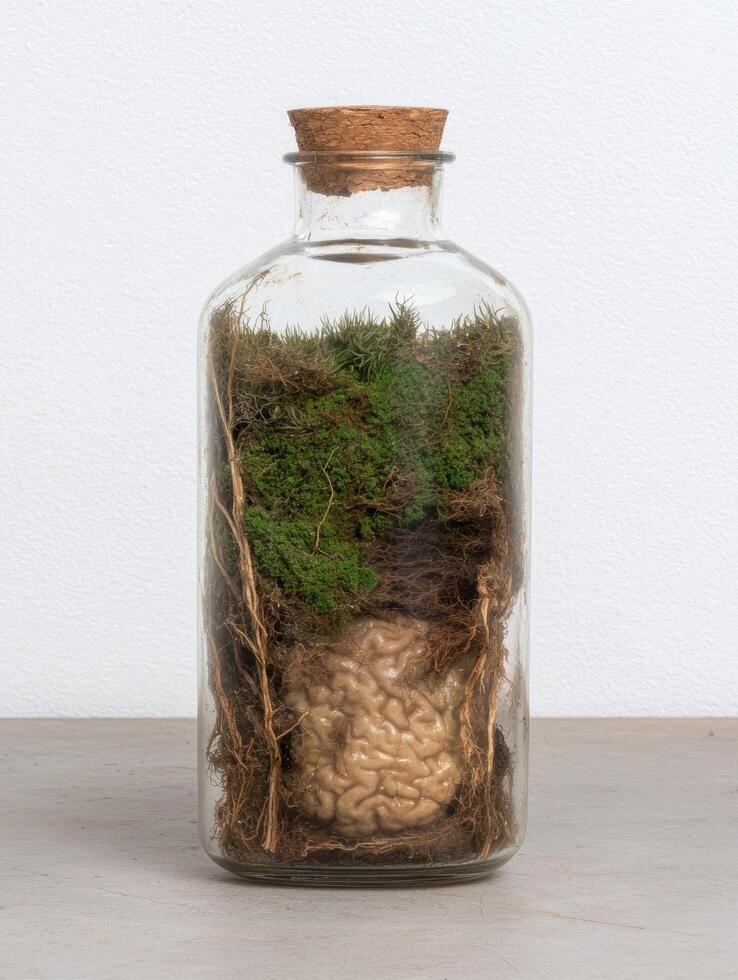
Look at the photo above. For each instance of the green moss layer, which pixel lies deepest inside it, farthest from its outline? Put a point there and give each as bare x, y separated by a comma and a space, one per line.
360, 432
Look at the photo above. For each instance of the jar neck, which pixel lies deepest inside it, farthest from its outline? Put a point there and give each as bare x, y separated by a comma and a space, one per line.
335, 204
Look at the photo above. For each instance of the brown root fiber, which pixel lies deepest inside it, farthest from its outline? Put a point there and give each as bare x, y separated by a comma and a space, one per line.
359, 471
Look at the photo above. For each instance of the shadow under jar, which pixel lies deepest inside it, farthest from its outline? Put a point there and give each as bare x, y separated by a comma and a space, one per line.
364, 477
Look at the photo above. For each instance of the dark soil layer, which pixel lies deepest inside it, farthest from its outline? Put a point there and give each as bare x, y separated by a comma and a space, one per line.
357, 471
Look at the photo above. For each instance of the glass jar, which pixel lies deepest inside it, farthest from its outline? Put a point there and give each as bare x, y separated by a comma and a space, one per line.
364, 483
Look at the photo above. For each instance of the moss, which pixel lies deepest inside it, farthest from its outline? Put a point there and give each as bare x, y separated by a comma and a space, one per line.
475, 433
292, 472
371, 525
285, 551
360, 429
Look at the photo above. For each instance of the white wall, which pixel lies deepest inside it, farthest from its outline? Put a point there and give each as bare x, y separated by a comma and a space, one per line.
597, 162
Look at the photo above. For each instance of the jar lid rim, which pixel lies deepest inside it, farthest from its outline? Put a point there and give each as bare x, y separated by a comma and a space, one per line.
300, 157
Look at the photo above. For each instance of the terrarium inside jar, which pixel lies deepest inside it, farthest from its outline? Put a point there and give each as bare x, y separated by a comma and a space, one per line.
364, 473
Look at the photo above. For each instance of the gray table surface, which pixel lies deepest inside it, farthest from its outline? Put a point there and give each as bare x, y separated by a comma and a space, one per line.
630, 868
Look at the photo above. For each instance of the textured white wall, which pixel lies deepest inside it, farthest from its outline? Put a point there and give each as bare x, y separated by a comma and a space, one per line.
597, 163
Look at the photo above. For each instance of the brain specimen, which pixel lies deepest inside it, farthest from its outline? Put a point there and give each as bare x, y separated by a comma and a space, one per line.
375, 753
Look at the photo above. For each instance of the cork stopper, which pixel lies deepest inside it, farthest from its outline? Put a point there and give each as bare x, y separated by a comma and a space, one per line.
367, 128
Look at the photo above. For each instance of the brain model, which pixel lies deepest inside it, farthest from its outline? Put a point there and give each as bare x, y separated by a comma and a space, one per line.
374, 752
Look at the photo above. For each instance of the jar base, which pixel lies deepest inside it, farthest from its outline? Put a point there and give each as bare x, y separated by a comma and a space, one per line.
368, 877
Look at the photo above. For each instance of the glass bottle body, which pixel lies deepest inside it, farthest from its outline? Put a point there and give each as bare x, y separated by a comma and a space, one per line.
364, 543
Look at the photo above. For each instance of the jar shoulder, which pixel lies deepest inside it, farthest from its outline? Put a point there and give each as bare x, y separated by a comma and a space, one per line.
299, 283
